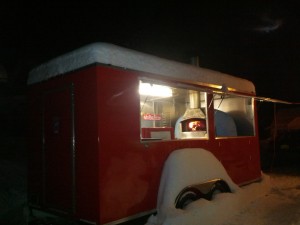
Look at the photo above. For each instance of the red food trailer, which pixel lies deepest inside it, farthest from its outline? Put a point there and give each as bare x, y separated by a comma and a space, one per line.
104, 119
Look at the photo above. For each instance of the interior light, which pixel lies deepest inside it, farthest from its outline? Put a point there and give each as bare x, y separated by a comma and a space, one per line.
154, 90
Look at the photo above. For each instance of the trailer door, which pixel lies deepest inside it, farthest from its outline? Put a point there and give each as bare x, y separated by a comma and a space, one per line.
58, 150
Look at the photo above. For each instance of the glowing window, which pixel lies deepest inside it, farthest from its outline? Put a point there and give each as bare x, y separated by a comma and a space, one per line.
171, 113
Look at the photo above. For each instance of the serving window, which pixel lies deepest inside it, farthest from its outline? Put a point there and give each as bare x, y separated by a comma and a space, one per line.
168, 112
233, 115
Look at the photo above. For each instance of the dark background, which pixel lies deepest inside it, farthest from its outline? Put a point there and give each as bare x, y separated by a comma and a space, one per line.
257, 40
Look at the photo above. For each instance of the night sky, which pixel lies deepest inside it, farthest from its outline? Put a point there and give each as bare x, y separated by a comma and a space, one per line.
256, 40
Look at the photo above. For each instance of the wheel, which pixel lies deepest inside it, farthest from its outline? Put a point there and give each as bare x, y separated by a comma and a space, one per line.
187, 196
220, 187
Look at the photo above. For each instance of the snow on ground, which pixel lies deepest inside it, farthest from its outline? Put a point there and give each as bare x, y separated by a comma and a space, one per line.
274, 200
280, 205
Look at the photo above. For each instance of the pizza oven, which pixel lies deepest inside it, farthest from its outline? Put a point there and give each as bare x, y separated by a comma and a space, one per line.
193, 123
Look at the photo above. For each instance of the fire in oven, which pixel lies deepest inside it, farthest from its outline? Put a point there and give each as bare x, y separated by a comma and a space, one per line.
193, 124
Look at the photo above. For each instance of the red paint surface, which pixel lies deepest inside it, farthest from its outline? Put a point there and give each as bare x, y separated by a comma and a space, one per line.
58, 150
116, 175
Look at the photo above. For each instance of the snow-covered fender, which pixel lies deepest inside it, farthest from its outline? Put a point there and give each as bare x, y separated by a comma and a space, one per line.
185, 167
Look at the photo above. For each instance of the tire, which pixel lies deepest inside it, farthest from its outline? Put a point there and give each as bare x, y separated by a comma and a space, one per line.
186, 199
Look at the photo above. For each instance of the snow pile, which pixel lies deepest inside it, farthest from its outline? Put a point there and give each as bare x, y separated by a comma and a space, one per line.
109, 54
202, 166
281, 205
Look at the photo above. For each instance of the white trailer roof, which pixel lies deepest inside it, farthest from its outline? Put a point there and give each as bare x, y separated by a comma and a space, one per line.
110, 54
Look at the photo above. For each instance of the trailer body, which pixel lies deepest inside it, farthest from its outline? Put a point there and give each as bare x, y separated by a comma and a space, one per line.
99, 138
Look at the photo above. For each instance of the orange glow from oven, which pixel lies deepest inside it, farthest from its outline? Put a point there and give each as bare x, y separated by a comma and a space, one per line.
195, 125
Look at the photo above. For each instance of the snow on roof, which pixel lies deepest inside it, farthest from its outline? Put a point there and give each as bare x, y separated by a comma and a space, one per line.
110, 54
